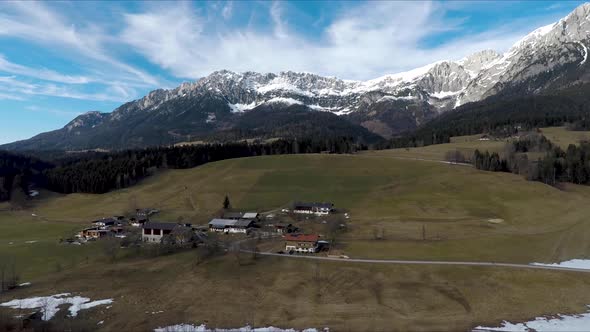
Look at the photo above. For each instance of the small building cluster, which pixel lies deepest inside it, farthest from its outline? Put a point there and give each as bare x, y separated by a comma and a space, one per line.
318, 209
102, 228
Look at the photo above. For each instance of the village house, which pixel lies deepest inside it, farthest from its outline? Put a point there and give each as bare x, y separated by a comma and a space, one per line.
301, 243
230, 225
137, 222
318, 209
283, 228
94, 233
153, 232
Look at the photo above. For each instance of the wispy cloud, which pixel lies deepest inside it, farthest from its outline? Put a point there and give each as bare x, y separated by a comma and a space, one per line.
12, 86
363, 42
42, 73
227, 10
61, 113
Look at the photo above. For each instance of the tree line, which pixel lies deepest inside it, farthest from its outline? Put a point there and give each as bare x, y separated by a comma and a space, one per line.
102, 172
555, 165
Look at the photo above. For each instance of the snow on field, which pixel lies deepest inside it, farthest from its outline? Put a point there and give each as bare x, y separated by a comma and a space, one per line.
574, 264
571, 323
24, 284
48, 305
204, 328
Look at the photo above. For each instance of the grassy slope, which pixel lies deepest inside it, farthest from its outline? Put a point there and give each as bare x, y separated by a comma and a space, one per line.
465, 144
453, 203
399, 197
562, 137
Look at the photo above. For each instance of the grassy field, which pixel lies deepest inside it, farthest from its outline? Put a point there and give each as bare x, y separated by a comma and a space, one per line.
464, 144
563, 137
301, 294
422, 210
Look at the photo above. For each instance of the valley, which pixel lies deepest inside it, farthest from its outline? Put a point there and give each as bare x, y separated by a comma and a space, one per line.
421, 210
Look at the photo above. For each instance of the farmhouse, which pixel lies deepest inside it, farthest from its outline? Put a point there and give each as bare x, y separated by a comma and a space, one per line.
301, 243
318, 209
154, 231
230, 225
94, 233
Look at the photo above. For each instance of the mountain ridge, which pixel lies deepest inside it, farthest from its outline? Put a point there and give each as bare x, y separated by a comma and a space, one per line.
549, 58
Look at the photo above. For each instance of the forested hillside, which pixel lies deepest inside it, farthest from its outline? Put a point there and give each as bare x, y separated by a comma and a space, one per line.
502, 117
101, 172
17, 172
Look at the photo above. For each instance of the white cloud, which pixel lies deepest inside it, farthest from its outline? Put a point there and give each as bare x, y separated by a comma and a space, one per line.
12, 86
34, 22
6, 96
227, 10
42, 73
362, 42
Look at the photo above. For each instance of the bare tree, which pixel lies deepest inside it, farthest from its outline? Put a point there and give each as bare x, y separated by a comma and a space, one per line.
110, 247
455, 156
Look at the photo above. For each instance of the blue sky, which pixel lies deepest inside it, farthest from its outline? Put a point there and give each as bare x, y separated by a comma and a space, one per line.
61, 59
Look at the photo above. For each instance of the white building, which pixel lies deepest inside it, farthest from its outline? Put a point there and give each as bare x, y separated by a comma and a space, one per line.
230, 225
154, 231
319, 209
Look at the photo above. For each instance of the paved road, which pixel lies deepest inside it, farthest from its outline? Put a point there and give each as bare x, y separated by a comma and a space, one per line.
412, 262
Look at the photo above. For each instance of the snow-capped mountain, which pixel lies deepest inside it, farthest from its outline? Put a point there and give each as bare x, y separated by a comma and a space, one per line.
544, 52
548, 59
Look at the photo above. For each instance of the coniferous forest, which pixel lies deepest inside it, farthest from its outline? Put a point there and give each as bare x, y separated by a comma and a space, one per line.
101, 172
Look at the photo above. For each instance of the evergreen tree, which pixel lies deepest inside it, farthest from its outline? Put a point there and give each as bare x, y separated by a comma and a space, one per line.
226, 203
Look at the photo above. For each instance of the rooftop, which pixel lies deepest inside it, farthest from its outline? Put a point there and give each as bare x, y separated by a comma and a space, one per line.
312, 205
230, 223
302, 237
160, 225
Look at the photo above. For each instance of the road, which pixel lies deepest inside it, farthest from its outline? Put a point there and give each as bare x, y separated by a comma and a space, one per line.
415, 262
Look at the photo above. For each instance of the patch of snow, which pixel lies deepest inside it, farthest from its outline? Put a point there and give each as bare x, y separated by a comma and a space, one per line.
203, 328
281, 84
569, 323
388, 98
585, 53
574, 264
100, 323
239, 108
343, 111
24, 284
210, 118
49, 304
282, 100
445, 94
32, 241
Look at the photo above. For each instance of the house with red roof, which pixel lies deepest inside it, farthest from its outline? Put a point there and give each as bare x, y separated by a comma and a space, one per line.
301, 242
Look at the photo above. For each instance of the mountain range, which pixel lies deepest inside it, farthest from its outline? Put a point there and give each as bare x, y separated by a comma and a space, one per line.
233, 105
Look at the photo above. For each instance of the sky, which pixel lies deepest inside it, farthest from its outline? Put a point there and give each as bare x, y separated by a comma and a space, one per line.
61, 59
